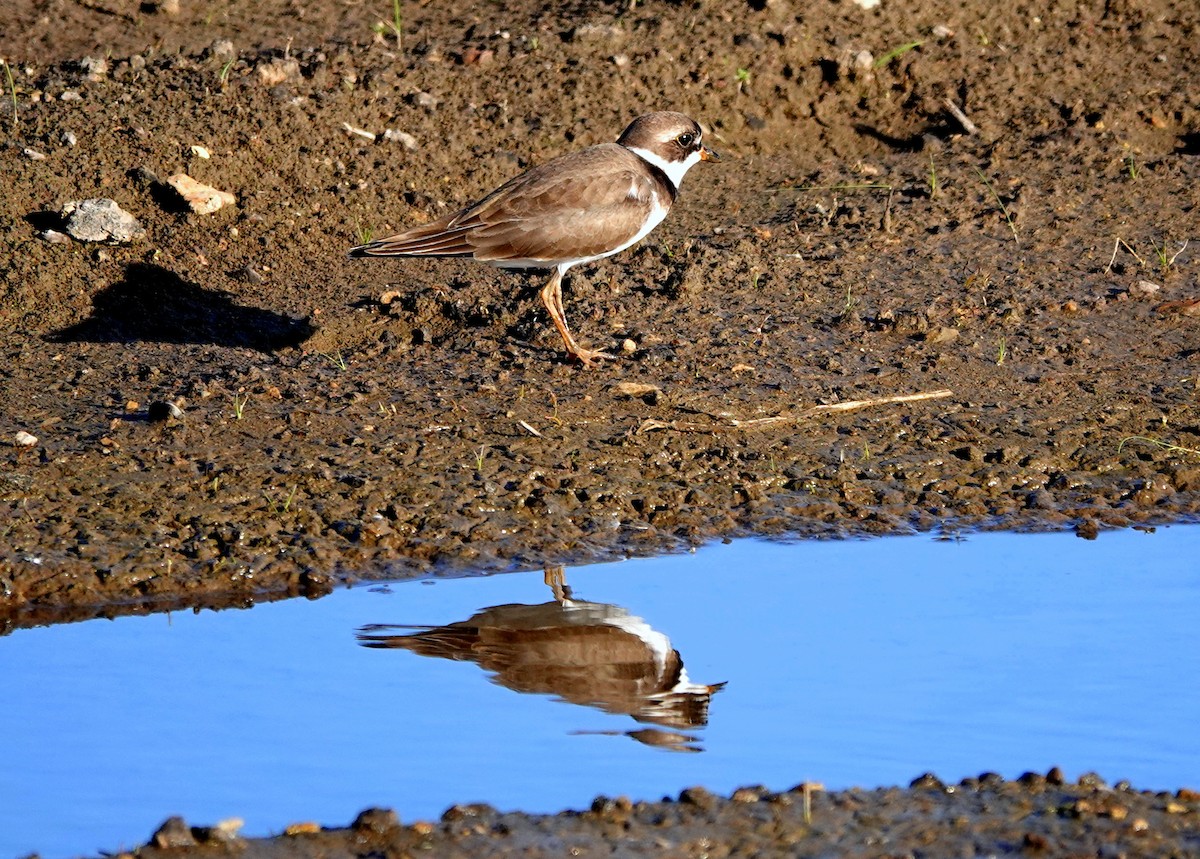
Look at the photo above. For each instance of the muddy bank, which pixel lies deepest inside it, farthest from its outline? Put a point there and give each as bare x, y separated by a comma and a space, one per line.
1034, 815
345, 418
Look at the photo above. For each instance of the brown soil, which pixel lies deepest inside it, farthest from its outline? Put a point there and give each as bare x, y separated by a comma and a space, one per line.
343, 418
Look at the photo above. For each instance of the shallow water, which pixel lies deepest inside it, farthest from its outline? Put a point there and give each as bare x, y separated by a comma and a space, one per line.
848, 663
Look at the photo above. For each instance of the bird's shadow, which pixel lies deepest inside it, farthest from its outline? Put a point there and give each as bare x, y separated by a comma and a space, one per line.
153, 304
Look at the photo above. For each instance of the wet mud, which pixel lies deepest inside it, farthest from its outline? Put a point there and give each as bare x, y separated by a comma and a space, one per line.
343, 418
992, 203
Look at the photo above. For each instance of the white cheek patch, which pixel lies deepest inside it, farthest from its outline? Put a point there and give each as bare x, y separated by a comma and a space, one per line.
675, 170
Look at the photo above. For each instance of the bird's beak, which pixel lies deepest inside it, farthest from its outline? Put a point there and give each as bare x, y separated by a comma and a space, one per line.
707, 154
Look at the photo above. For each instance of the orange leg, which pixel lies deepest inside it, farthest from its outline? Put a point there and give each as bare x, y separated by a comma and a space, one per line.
552, 298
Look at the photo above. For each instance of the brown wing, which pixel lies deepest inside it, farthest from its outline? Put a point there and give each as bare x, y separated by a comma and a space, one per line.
580, 205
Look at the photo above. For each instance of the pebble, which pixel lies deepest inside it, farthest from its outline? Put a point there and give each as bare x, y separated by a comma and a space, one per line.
402, 137
68, 138
1144, 289
54, 237
423, 99
377, 821
173, 833
94, 67
277, 71
593, 33
161, 410
70, 95
202, 199
24, 439
100, 220
33, 154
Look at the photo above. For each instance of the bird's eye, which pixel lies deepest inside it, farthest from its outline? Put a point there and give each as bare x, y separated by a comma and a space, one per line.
686, 139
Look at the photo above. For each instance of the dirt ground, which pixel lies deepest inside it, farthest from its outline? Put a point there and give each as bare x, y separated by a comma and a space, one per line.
998, 201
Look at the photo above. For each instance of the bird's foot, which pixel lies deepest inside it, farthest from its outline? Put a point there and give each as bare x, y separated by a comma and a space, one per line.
588, 357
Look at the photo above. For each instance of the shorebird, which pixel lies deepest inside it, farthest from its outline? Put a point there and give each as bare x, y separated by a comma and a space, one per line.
576, 208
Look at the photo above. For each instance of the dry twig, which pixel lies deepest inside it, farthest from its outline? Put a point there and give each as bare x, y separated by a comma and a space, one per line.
724, 422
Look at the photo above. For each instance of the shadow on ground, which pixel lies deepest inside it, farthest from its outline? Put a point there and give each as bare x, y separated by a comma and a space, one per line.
152, 304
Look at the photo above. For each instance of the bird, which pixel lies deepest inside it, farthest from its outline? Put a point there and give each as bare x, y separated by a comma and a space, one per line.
589, 653
576, 208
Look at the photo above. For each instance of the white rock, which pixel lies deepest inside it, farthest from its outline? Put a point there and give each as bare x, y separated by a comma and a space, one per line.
24, 439
402, 137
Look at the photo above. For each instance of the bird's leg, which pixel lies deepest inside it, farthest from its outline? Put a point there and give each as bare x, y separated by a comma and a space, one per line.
552, 298
556, 578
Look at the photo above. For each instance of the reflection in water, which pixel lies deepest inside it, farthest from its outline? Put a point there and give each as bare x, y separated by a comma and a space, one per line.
588, 653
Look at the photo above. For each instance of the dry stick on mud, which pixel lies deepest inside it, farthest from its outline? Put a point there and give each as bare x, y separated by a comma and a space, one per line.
728, 423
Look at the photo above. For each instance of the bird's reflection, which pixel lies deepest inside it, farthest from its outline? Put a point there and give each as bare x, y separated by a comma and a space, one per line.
588, 653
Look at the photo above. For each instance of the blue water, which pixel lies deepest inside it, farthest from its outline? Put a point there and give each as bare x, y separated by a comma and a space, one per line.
848, 663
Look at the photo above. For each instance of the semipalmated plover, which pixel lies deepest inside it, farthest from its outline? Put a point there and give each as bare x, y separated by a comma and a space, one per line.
576, 208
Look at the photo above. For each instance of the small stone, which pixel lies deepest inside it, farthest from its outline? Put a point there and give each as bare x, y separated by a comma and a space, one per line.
173, 833
202, 199
33, 154
70, 95
222, 48
54, 237
68, 138
100, 220
423, 99
145, 177
249, 275
402, 137
697, 796
377, 821
941, 334
306, 828
388, 297
24, 439
650, 394
628, 346
94, 67
941, 31
864, 59
277, 71
594, 33
1144, 289
225, 832
621, 61
161, 410
201, 152
473, 56
866, 4
164, 7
